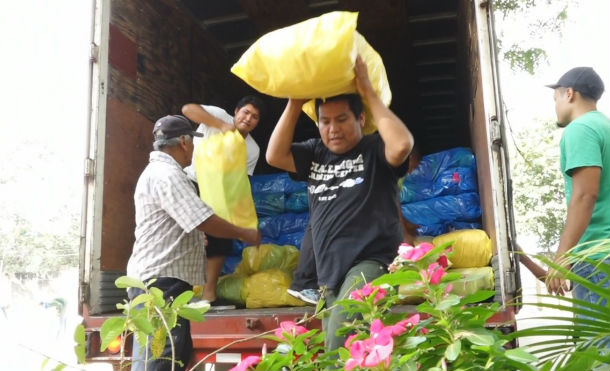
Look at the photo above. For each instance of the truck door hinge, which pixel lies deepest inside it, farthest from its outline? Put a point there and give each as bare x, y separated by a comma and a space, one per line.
94, 51
89, 167
496, 132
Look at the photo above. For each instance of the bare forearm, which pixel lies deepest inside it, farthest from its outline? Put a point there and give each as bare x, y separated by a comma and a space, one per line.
580, 211
278, 150
218, 227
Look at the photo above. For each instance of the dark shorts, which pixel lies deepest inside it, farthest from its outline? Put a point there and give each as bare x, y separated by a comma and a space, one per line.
216, 246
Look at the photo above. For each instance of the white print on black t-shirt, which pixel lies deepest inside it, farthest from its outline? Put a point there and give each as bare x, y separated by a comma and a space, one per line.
327, 176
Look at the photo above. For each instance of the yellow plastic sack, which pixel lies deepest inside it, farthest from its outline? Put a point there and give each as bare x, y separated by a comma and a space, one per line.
220, 166
473, 280
313, 59
471, 247
268, 256
267, 289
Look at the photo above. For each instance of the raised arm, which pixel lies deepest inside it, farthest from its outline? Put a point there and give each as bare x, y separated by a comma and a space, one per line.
278, 150
198, 114
394, 133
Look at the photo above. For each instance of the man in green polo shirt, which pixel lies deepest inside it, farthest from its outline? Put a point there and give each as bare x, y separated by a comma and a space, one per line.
585, 165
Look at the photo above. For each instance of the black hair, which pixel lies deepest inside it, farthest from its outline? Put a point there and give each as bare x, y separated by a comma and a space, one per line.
353, 100
255, 101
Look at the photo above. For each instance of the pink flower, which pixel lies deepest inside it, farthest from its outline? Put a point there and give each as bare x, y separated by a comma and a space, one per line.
349, 340
374, 350
434, 273
356, 353
448, 289
401, 326
424, 331
442, 260
246, 363
408, 252
290, 328
366, 291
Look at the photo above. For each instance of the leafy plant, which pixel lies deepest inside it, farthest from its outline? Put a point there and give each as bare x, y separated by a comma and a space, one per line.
582, 342
445, 332
148, 317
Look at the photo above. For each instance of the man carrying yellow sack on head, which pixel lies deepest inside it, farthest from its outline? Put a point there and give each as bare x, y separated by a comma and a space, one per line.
214, 120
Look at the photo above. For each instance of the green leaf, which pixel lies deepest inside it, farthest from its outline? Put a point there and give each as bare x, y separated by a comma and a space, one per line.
111, 328
448, 302
124, 282
46, 360
79, 348
201, 306
79, 334
343, 353
190, 314
479, 336
182, 299
157, 294
59, 367
398, 278
142, 298
143, 324
453, 350
478, 296
520, 355
414, 341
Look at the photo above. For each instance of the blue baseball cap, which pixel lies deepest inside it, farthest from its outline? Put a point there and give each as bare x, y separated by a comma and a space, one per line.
582, 79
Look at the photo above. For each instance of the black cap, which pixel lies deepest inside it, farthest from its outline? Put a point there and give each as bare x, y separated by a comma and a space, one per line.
172, 126
582, 79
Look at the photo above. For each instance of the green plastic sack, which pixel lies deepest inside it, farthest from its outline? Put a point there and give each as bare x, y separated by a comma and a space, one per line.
313, 59
268, 256
267, 289
473, 280
231, 288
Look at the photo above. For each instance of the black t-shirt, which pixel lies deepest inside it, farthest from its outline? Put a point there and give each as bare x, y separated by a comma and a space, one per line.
352, 203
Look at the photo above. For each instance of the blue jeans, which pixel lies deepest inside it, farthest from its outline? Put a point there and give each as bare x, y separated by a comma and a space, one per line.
181, 333
586, 271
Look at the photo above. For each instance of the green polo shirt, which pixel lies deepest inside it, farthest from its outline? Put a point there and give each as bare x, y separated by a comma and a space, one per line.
586, 142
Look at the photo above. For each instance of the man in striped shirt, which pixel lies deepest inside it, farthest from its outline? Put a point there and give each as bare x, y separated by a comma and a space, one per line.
170, 221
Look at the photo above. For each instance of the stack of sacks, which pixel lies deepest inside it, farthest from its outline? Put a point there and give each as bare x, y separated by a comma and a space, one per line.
471, 253
261, 278
470, 257
283, 212
441, 195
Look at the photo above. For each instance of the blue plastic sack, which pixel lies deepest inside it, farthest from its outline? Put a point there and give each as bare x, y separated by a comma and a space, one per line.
297, 202
269, 183
458, 225
293, 239
443, 209
433, 164
432, 230
268, 203
454, 181
231, 262
278, 225
293, 186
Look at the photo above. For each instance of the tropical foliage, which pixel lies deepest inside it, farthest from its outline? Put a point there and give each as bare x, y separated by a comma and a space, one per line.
582, 341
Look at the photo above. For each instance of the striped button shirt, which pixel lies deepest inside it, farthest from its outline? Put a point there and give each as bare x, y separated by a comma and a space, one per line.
167, 212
